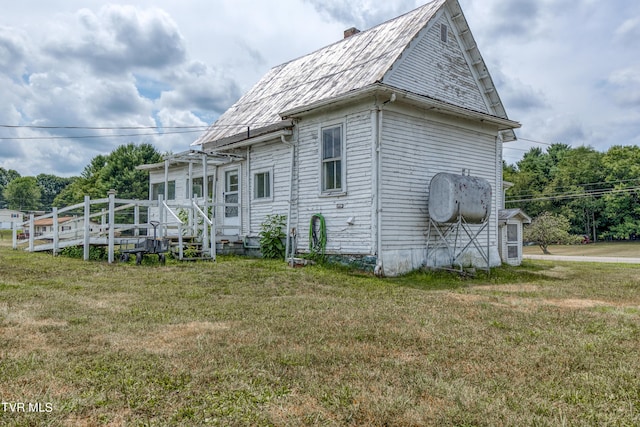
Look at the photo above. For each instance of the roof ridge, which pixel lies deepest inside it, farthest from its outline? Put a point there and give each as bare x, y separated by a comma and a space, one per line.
361, 32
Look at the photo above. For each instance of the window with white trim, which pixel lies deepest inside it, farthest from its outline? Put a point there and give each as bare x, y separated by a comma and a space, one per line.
197, 186
158, 188
262, 185
332, 159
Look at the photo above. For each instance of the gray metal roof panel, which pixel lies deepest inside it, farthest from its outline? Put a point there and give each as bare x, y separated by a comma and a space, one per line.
347, 65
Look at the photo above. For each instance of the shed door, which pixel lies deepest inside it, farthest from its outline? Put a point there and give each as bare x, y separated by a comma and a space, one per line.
513, 242
232, 201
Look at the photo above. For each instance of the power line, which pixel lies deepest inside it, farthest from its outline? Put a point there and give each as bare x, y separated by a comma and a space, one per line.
160, 130
577, 195
23, 138
102, 127
581, 185
536, 142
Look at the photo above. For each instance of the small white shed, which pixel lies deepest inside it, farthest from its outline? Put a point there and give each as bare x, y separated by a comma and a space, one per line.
510, 223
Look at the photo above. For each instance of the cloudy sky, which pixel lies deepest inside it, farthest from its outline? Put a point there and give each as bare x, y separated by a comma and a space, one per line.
80, 77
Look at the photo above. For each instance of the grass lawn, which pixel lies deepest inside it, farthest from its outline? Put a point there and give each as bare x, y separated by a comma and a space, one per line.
252, 342
627, 249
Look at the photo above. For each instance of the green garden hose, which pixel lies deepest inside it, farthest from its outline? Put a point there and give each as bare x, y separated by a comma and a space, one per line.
317, 235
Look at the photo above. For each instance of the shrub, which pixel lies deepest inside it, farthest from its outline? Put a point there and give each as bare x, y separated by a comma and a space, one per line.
96, 253
272, 236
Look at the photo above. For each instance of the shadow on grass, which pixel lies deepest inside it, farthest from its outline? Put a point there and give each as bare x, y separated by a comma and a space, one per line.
447, 280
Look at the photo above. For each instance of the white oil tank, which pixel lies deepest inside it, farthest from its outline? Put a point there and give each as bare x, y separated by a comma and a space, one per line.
451, 195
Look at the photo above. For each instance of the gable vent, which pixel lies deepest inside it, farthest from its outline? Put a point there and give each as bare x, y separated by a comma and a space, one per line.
444, 33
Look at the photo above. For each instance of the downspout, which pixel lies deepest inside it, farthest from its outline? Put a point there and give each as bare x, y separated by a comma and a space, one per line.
288, 248
379, 268
249, 193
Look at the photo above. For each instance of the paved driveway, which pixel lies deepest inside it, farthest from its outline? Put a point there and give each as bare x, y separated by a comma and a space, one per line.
584, 258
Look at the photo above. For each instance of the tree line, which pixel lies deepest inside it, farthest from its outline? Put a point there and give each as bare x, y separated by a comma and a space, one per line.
598, 192
116, 170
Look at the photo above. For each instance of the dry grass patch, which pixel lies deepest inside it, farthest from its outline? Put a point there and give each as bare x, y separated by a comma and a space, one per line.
170, 339
250, 342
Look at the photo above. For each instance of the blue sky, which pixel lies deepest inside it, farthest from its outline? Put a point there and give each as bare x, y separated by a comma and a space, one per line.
568, 70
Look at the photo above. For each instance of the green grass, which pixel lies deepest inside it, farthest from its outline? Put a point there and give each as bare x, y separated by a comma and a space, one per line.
253, 342
624, 249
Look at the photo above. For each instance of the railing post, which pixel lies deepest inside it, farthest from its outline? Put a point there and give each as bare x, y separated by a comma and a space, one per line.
87, 229
136, 220
193, 219
161, 214
14, 235
56, 235
32, 229
180, 248
112, 223
205, 229
213, 235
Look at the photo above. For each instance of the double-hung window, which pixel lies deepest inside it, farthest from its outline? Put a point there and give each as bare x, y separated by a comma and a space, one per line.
332, 159
197, 187
158, 188
262, 185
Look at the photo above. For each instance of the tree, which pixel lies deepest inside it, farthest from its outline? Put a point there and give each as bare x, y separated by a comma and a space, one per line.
622, 206
116, 171
548, 228
50, 187
22, 193
6, 176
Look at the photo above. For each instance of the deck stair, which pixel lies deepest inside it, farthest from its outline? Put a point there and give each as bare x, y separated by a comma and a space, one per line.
116, 224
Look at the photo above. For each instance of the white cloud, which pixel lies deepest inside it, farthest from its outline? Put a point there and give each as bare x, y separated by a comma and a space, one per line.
201, 88
566, 69
625, 86
119, 39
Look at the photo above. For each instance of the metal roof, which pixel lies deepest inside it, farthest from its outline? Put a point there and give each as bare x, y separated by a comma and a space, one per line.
345, 66
506, 214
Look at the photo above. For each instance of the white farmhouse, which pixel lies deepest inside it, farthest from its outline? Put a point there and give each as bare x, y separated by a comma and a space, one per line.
353, 133
10, 216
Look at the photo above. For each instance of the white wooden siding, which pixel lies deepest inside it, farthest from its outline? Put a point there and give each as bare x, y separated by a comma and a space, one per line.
356, 203
276, 158
413, 151
440, 70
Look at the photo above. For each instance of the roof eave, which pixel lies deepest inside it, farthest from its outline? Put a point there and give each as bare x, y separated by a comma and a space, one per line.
251, 136
406, 96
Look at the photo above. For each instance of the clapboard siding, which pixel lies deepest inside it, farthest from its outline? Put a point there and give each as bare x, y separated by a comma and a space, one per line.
275, 158
355, 203
448, 76
413, 151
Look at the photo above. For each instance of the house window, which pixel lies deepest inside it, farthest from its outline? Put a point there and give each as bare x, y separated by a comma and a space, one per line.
197, 188
158, 188
513, 242
444, 33
262, 185
332, 170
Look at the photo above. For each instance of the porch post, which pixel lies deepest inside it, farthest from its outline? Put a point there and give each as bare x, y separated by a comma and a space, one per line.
14, 235
56, 235
32, 230
190, 182
112, 223
87, 229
